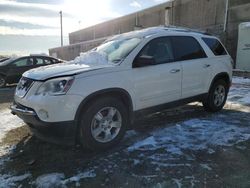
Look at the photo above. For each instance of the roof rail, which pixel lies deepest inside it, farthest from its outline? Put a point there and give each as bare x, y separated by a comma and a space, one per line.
185, 29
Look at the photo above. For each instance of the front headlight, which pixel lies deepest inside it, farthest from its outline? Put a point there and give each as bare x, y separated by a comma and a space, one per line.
57, 86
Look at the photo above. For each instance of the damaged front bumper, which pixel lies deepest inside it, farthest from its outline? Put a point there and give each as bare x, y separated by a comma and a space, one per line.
55, 132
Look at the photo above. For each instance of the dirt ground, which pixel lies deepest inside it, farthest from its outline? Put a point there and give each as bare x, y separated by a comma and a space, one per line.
210, 150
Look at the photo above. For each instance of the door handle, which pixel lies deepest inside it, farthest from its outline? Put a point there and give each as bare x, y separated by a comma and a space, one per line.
175, 70
206, 65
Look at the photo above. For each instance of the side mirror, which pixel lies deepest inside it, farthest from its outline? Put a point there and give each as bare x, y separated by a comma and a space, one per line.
144, 61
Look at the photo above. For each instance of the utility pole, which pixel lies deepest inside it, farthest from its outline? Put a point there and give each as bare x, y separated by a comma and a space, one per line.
61, 28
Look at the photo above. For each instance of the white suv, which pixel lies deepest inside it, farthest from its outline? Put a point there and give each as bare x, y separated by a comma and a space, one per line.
131, 74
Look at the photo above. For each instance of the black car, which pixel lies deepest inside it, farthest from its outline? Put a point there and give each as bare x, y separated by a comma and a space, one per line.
4, 59
11, 69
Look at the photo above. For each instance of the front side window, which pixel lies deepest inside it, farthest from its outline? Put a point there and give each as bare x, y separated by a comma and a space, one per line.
24, 62
215, 46
160, 49
187, 48
117, 50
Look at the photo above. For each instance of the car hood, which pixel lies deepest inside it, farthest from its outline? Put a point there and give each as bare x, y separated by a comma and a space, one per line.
63, 69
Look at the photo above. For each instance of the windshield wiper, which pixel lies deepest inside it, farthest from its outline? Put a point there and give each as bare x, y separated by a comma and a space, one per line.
117, 60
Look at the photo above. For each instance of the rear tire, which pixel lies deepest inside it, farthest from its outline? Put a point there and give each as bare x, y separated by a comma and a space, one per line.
217, 96
2, 81
103, 124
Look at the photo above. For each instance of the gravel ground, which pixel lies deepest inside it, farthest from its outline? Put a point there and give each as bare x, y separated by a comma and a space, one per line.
181, 147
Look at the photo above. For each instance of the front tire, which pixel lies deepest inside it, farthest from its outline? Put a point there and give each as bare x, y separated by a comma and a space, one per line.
103, 124
217, 96
2, 82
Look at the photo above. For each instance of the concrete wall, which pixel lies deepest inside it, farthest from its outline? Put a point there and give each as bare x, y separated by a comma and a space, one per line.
147, 18
207, 15
71, 51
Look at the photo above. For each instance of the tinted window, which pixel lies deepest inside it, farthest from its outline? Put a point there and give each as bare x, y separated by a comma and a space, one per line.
54, 60
38, 61
215, 46
42, 61
24, 62
160, 49
187, 48
47, 61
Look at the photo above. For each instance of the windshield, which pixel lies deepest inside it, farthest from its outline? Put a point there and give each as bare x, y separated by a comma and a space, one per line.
117, 50
7, 61
4, 59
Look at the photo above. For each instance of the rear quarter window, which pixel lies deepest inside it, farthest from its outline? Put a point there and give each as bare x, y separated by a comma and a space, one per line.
215, 46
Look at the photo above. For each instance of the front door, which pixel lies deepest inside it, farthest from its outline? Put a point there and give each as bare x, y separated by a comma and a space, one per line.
159, 83
18, 67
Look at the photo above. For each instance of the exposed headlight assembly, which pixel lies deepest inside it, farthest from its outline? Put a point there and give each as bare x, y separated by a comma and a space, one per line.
56, 86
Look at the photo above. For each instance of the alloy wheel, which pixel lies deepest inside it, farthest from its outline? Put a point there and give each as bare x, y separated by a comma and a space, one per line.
2, 82
219, 95
106, 124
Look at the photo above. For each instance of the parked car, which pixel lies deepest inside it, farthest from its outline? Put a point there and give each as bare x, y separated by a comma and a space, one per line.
146, 71
4, 59
11, 69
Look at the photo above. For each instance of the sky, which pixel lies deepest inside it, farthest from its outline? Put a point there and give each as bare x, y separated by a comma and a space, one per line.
33, 26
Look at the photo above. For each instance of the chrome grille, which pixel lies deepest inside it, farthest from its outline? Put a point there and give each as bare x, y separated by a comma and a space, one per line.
23, 86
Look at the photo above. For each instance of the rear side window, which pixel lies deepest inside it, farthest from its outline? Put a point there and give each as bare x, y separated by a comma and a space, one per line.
215, 46
187, 48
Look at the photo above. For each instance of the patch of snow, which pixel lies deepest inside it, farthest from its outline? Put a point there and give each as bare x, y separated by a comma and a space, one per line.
130, 133
210, 151
194, 134
4, 150
8, 122
91, 58
169, 165
241, 147
78, 177
205, 166
178, 182
8, 181
50, 180
245, 99
241, 80
136, 161
240, 95
58, 179
144, 176
148, 143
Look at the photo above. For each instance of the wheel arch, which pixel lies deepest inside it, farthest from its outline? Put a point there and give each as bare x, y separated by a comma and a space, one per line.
119, 93
221, 76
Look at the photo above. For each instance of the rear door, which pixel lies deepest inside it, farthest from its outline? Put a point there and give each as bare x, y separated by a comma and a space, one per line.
159, 83
42, 61
195, 65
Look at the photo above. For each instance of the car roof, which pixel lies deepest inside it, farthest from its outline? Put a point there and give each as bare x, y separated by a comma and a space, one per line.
11, 59
160, 30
